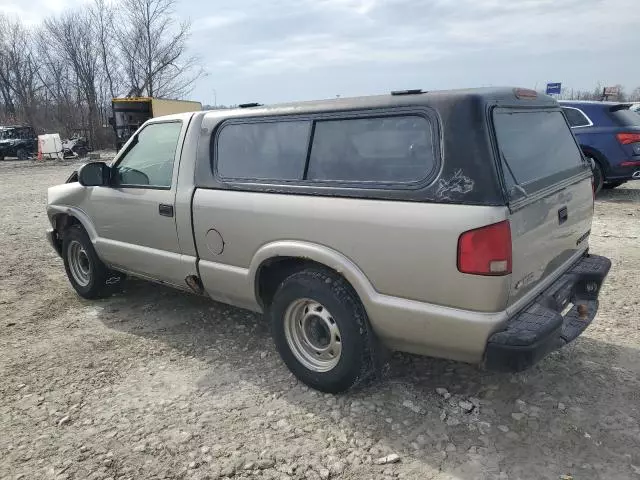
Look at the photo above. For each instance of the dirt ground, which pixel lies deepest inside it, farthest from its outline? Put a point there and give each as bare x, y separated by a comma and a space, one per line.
154, 383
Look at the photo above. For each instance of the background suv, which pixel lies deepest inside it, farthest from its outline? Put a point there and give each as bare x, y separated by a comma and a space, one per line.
609, 134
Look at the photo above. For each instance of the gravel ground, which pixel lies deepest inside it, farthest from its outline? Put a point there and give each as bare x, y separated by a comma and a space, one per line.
154, 383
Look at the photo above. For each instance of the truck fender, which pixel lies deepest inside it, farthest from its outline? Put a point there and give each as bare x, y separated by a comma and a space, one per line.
54, 211
595, 154
317, 253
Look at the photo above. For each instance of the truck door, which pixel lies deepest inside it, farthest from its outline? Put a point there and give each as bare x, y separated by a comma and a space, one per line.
135, 216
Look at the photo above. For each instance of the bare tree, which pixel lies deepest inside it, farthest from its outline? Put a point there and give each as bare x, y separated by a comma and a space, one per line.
5, 71
18, 70
154, 48
622, 95
102, 16
73, 35
58, 79
60, 76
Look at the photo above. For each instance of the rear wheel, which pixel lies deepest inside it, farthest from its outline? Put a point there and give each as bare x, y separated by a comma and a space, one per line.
598, 175
22, 154
321, 330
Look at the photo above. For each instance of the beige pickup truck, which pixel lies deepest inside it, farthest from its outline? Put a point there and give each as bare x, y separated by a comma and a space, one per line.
453, 224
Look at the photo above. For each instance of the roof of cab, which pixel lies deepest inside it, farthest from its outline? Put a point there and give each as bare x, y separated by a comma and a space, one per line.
488, 95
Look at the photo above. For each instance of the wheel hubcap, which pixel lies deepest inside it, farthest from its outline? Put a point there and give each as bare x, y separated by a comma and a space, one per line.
79, 263
313, 335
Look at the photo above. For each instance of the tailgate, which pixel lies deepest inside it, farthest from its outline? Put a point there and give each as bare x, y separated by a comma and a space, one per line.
550, 194
546, 233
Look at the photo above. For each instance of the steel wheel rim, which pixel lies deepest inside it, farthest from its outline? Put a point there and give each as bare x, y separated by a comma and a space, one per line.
312, 335
79, 263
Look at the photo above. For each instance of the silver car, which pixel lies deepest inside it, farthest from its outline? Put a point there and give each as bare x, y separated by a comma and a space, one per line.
453, 224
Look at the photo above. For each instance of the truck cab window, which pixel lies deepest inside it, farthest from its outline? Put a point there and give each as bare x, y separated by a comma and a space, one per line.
149, 161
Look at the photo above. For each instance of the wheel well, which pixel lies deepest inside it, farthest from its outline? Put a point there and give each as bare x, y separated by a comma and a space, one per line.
597, 156
64, 221
274, 271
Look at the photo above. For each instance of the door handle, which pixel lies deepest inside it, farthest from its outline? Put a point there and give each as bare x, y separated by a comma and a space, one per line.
563, 215
165, 210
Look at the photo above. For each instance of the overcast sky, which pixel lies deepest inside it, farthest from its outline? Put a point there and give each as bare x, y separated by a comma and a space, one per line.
279, 50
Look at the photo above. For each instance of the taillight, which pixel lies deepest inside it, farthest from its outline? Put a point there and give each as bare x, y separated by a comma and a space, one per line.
627, 138
525, 93
486, 250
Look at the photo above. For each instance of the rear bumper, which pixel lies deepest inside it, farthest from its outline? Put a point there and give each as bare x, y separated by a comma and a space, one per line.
624, 171
541, 328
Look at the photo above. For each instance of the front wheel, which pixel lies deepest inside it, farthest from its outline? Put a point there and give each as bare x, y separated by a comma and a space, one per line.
22, 154
88, 275
321, 331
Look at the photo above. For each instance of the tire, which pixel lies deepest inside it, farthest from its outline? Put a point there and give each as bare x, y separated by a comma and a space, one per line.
612, 185
81, 152
88, 275
22, 154
598, 175
316, 310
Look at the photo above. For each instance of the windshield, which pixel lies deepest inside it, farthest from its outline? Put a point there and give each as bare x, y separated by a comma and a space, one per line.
537, 149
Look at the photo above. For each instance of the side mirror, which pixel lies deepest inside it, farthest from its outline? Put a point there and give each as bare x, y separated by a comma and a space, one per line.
94, 174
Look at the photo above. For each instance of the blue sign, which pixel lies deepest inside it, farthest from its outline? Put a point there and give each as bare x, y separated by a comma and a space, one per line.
554, 88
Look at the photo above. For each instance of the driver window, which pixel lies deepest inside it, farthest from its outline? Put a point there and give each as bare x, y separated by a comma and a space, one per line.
150, 160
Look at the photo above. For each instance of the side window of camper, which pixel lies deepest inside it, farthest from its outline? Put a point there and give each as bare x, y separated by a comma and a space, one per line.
352, 151
393, 149
263, 150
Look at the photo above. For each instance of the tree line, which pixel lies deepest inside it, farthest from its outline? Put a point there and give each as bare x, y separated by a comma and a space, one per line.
60, 76
598, 94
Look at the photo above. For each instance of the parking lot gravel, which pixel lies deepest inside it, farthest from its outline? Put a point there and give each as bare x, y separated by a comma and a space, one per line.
153, 383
